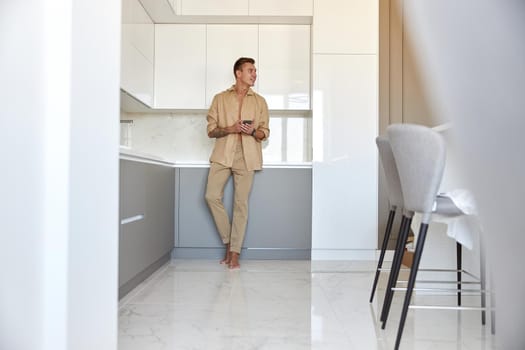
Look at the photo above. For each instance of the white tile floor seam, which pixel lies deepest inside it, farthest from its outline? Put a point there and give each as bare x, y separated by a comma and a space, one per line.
274, 305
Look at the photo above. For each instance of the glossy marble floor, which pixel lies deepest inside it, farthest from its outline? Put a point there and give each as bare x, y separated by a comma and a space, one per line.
288, 305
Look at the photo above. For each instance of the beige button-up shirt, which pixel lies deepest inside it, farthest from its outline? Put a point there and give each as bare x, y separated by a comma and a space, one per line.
223, 112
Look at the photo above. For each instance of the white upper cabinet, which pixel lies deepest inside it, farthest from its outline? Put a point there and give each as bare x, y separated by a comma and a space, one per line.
355, 22
180, 66
225, 44
138, 28
137, 58
281, 7
193, 62
284, 66
214, 7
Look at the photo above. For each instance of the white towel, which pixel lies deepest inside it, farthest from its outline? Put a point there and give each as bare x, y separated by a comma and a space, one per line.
462, 228
463, 199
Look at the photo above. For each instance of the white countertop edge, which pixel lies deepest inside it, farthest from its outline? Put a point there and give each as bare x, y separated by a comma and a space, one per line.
265, 166
145, 159
141, 159
288, 165
191, 165
129, 154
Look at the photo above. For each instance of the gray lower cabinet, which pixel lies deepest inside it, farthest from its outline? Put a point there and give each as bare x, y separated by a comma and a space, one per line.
280, 215
146, 237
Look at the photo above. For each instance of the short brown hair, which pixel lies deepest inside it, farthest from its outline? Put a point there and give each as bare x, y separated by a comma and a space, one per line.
238, 64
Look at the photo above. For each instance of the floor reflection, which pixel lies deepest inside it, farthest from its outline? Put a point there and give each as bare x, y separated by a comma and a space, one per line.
199, 304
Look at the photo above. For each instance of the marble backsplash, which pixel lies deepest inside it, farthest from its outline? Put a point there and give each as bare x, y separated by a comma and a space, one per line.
181, 137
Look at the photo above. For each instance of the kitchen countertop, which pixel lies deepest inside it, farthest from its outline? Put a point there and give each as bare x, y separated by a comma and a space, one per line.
206, 164
137, 156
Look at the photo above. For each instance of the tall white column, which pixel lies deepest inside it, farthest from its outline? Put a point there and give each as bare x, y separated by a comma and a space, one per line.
93, 200
59, 62
345, 123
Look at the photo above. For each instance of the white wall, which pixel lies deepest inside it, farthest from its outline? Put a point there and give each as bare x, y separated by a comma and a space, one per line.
59, 207
402, 94
345, 122
475, 76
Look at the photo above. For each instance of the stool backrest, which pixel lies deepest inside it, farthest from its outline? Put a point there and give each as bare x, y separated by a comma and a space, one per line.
393, 184
420, 154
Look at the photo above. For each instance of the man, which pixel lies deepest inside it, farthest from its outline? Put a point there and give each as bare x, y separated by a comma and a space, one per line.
238, 120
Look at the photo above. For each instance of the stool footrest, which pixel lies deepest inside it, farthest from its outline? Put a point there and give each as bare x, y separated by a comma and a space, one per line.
434, 307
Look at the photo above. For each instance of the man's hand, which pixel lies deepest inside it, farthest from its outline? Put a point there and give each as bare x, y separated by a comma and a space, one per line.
246, 128
221, 132
237, 128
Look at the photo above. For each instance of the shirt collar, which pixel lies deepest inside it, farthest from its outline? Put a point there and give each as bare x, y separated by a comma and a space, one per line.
232, 89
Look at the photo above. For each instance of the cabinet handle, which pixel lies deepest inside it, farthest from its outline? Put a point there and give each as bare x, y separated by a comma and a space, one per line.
132, 219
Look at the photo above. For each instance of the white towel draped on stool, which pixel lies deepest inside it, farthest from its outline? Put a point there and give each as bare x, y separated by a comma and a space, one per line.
462, 228
463, 199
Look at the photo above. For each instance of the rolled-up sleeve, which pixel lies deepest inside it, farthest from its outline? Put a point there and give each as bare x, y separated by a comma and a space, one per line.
212, 116
264, 120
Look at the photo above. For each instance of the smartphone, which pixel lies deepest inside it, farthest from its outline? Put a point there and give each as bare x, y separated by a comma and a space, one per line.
247, 121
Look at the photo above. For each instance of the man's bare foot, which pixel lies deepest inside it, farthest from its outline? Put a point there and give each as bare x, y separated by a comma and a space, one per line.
234, 261
227, 257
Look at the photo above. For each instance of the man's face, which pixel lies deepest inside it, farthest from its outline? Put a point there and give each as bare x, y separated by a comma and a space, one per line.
247, 74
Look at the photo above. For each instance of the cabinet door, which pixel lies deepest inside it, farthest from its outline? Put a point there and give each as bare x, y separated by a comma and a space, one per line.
281, 7
225, 44
136, 74
346, 26
195, 226
180, 66
138, 28
280, 210
147, 191
345, 152
215, 8
284, 66
137, 52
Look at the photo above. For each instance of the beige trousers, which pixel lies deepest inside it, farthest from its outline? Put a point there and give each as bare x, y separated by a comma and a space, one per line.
242, 183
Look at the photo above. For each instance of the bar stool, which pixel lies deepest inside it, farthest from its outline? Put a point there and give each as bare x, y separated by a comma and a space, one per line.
444, 206
395, 197
419, 154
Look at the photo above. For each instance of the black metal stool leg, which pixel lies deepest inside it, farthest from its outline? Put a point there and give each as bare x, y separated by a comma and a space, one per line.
482, 279
383, 250
392, 268
459, 269
394, 273
411, 281
492, 308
